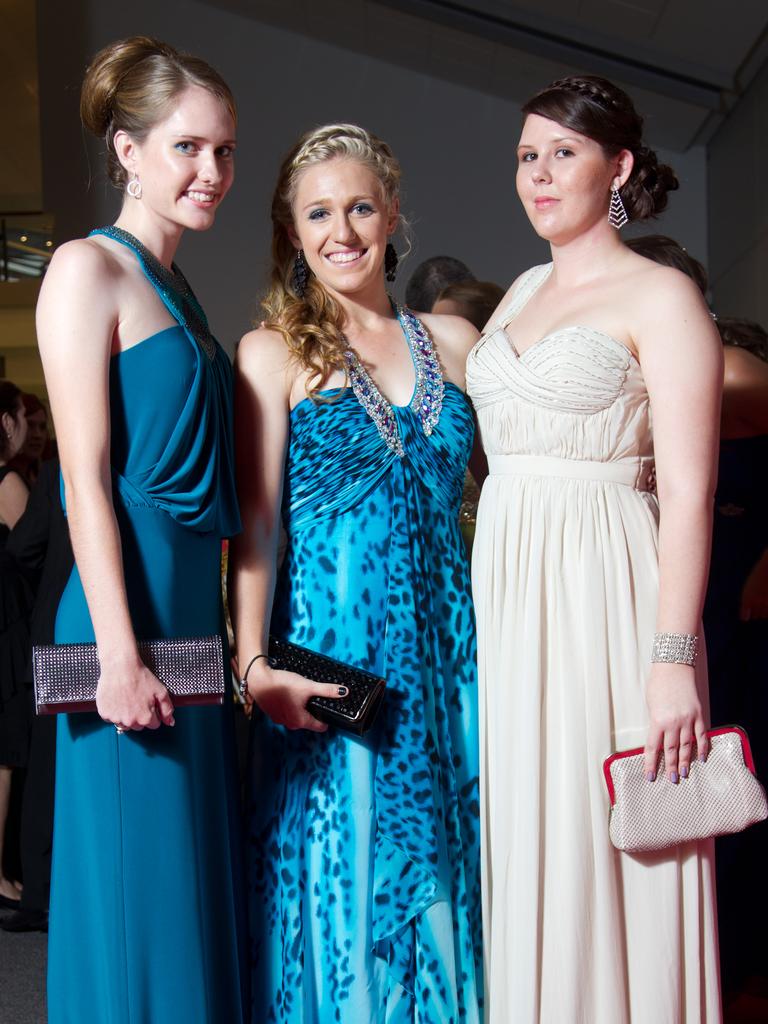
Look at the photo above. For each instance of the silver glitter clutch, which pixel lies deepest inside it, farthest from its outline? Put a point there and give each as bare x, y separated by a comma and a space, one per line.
721, 795
65, 675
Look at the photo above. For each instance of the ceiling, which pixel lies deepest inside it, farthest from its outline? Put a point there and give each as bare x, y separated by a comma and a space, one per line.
685, 62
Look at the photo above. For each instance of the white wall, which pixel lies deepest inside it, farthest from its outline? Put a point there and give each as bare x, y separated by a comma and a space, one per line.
738, 207
456, 145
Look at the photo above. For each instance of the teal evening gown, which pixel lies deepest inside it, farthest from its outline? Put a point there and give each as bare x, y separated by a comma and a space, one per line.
364, 887
145, 898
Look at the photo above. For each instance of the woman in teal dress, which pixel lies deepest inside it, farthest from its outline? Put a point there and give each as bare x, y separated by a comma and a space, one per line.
351, 418
145, 901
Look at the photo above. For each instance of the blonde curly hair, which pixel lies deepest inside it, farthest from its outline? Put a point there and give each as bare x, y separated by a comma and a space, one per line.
312, 324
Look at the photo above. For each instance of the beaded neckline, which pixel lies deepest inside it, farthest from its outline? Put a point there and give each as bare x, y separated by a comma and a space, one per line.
427, 400
173, 287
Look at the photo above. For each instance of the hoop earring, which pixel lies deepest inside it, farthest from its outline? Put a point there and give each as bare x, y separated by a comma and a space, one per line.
133, 188
300, 274
617, 212
390, 262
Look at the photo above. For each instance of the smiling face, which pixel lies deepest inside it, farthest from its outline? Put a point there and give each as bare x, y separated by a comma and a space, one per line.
186, 162
342, 220
564, 179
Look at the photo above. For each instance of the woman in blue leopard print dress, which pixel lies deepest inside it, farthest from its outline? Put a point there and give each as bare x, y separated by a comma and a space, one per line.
364, 861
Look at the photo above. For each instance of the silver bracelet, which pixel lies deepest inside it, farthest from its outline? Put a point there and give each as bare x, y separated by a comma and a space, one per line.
678, 648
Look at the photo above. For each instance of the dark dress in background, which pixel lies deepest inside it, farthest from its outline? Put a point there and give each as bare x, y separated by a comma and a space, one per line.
15, 608
40, 545
737, 654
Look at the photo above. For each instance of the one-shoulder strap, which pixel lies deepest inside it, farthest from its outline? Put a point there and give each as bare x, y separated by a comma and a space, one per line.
528, 285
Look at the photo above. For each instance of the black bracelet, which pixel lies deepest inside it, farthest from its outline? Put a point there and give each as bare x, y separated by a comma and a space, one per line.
244, 680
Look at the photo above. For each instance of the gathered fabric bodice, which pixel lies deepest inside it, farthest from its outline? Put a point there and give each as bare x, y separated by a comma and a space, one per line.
575, 394
336, 457
171, 425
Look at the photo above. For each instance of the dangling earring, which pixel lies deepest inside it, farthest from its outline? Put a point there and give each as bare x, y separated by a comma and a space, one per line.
300, 274
133, 188
390, 262
617, 213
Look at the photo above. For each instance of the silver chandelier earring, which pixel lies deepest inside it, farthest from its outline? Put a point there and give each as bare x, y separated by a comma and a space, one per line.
617, 213
133, 188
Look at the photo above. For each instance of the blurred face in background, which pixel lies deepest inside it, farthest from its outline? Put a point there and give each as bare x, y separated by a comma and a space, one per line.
37, 434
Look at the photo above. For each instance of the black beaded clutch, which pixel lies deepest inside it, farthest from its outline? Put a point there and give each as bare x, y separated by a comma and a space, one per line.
191, 668
357, 711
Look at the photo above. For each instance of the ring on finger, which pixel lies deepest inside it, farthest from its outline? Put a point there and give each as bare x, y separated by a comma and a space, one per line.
119, 730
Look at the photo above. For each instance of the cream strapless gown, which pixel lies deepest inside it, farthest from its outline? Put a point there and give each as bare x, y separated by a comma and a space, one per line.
565, 578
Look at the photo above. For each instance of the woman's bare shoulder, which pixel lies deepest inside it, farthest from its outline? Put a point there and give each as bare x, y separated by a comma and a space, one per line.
84, 258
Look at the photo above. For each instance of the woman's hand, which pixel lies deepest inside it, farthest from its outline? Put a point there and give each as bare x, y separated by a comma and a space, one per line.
284, 695
754, 596
131, 697
676, 722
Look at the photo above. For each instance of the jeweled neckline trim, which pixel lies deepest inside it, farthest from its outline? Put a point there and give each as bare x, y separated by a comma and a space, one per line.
427, 399
172, 285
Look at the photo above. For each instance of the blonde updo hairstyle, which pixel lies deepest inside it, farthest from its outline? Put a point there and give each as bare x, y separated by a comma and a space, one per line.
313, 324
130, 86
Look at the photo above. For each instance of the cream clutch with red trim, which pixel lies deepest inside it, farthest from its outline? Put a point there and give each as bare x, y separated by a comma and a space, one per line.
721, 795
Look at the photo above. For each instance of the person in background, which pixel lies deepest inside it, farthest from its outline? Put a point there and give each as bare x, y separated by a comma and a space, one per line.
736, 628
597, 389
39, 543
38, 444
669, 253
474, 300
146, 901
15, 605
430, 278
352, 420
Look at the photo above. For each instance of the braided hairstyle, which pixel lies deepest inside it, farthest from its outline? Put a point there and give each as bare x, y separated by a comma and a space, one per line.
603, 112
312, 325
130, 86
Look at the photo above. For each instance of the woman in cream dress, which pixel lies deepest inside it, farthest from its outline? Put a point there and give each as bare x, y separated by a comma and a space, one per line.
577, 565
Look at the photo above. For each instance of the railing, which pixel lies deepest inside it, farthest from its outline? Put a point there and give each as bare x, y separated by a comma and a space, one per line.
26, 244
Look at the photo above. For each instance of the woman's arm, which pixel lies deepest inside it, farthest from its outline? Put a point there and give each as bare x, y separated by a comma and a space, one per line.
76, 318
13, 499
262, 389
681, 357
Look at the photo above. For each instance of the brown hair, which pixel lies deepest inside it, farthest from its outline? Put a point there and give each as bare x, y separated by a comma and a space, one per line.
603, 112
669, 253
479, 299
10, 396
129, 86
312, 325
744, 334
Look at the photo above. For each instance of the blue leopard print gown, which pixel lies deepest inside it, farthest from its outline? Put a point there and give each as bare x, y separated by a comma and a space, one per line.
364, 857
